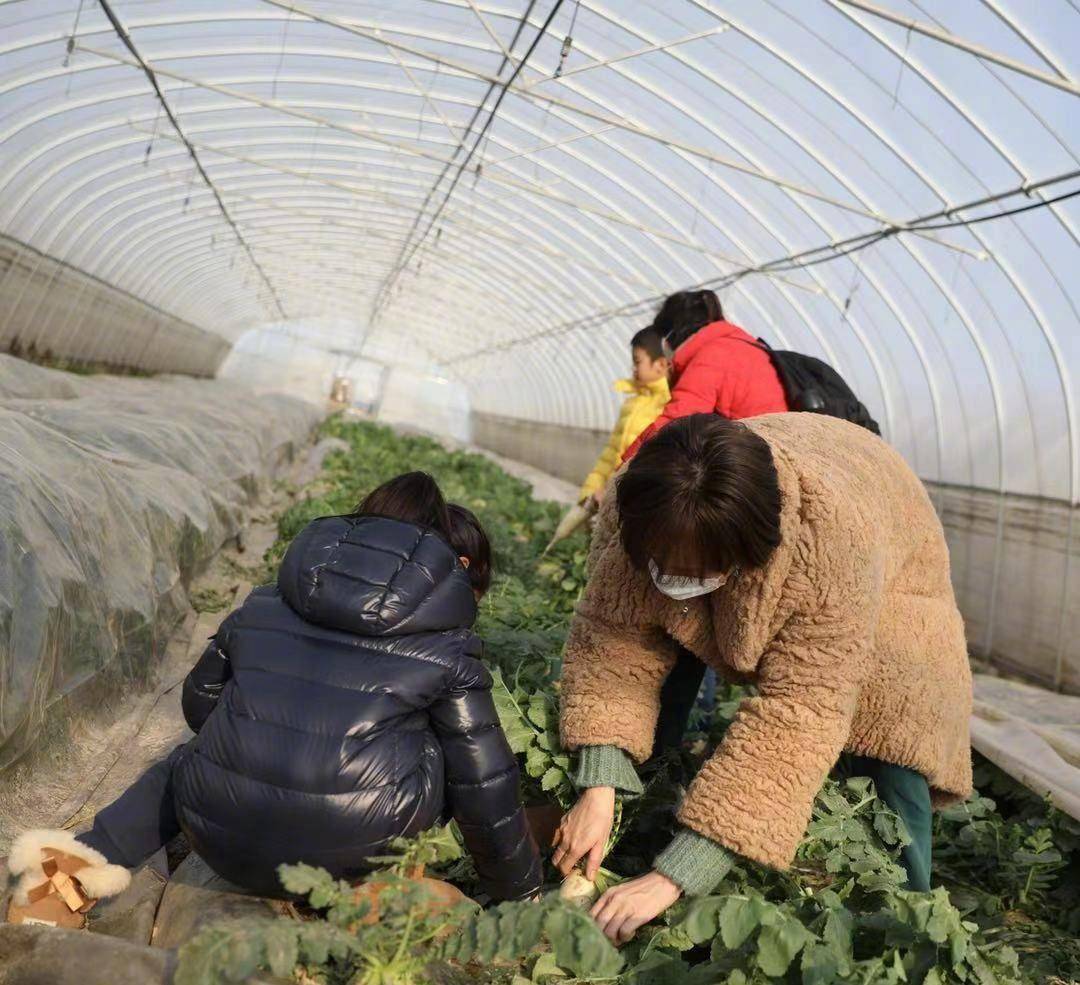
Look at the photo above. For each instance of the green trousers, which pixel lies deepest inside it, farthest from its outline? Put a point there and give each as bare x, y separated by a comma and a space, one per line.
903, 789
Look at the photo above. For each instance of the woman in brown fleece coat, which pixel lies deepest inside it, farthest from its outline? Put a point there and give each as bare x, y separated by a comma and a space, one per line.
801, 554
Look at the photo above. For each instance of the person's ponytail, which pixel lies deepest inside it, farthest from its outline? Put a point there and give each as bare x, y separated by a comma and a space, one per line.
682, 314
714, 311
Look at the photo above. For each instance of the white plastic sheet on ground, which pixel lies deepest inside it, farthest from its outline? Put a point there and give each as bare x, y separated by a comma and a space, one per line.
1032, 734
113, 492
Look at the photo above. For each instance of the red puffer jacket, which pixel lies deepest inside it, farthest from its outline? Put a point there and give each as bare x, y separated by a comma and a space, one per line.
719, 369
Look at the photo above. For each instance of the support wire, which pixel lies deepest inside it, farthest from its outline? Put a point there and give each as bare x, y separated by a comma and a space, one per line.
152, 77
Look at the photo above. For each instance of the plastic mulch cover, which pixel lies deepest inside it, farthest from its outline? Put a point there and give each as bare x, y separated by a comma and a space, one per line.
113, 492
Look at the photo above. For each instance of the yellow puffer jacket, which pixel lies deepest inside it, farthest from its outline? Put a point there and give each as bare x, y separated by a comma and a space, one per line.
638, 412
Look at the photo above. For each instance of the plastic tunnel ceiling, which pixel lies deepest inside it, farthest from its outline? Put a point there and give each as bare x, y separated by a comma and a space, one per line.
504, 190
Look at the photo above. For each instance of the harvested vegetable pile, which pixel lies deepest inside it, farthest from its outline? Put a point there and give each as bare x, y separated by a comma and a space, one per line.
1007, 870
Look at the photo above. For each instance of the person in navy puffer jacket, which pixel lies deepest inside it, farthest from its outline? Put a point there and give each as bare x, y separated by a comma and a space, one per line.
342, 708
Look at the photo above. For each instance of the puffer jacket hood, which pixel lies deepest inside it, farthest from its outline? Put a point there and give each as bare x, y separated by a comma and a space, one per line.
345, 707
374, 576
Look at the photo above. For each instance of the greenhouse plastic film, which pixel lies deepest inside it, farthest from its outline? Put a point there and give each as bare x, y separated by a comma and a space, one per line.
113, 492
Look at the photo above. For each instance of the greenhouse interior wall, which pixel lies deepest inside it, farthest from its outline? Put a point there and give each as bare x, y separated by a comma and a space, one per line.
55, 311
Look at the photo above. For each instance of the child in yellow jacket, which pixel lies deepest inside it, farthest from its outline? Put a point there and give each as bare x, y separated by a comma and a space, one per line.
649, 393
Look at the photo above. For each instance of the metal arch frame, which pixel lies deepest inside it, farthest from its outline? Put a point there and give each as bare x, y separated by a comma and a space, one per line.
1059, 362
1066, 577
988, 135
473, 73
1025, 38
923, 360
274, 236
50, 147
670, 186
357, 192
274, 231
767, 225
277, 105
548, 403
94, 150
284, 6
526, 90
580, 207
1002, 450
519, 244
844, 105
752, 212
1001, 444
981, 52
100, 126
1063, 379
988, 367
340, 189
134, 243
812, 153
353, 221
1065, 220
575, 204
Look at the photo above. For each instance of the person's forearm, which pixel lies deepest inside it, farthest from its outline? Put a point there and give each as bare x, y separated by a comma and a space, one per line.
607, 766
695, 864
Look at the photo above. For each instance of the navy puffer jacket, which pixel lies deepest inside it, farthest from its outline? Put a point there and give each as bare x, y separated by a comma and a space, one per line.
346, 707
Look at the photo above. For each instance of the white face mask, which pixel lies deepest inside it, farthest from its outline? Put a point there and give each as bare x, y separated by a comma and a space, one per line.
681, 588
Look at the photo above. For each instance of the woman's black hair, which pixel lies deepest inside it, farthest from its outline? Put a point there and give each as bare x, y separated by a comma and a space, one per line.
414, 497
651, 341
469, 539
701, 497
682, 314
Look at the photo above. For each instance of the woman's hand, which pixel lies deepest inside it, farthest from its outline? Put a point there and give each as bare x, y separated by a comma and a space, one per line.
630, 905
584, 831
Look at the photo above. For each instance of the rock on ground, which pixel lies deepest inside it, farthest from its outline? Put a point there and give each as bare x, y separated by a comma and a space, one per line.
35, 955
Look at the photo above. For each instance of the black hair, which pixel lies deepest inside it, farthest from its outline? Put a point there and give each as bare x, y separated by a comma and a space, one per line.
651, 341
682, 314
701, 497
469, 539
414, 497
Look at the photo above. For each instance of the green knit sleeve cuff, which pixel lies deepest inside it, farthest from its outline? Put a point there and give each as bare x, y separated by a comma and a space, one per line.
696, 864
607, 766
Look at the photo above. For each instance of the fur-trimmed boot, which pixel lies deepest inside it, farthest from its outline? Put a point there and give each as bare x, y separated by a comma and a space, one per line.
57, 879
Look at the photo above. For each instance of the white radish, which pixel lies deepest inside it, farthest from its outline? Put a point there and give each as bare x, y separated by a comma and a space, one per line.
578, 891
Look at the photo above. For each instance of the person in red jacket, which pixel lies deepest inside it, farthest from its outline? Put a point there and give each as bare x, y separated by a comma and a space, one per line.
717, 368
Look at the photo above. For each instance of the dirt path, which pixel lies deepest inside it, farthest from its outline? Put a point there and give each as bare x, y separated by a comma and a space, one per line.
99, 753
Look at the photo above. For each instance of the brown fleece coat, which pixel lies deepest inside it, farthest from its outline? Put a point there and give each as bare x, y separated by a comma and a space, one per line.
850, 633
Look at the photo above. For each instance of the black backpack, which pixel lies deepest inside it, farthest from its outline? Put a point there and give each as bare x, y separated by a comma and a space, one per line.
814, 386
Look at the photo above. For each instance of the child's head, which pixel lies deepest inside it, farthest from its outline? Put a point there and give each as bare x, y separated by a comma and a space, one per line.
414, 497
647, 351
470, 542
